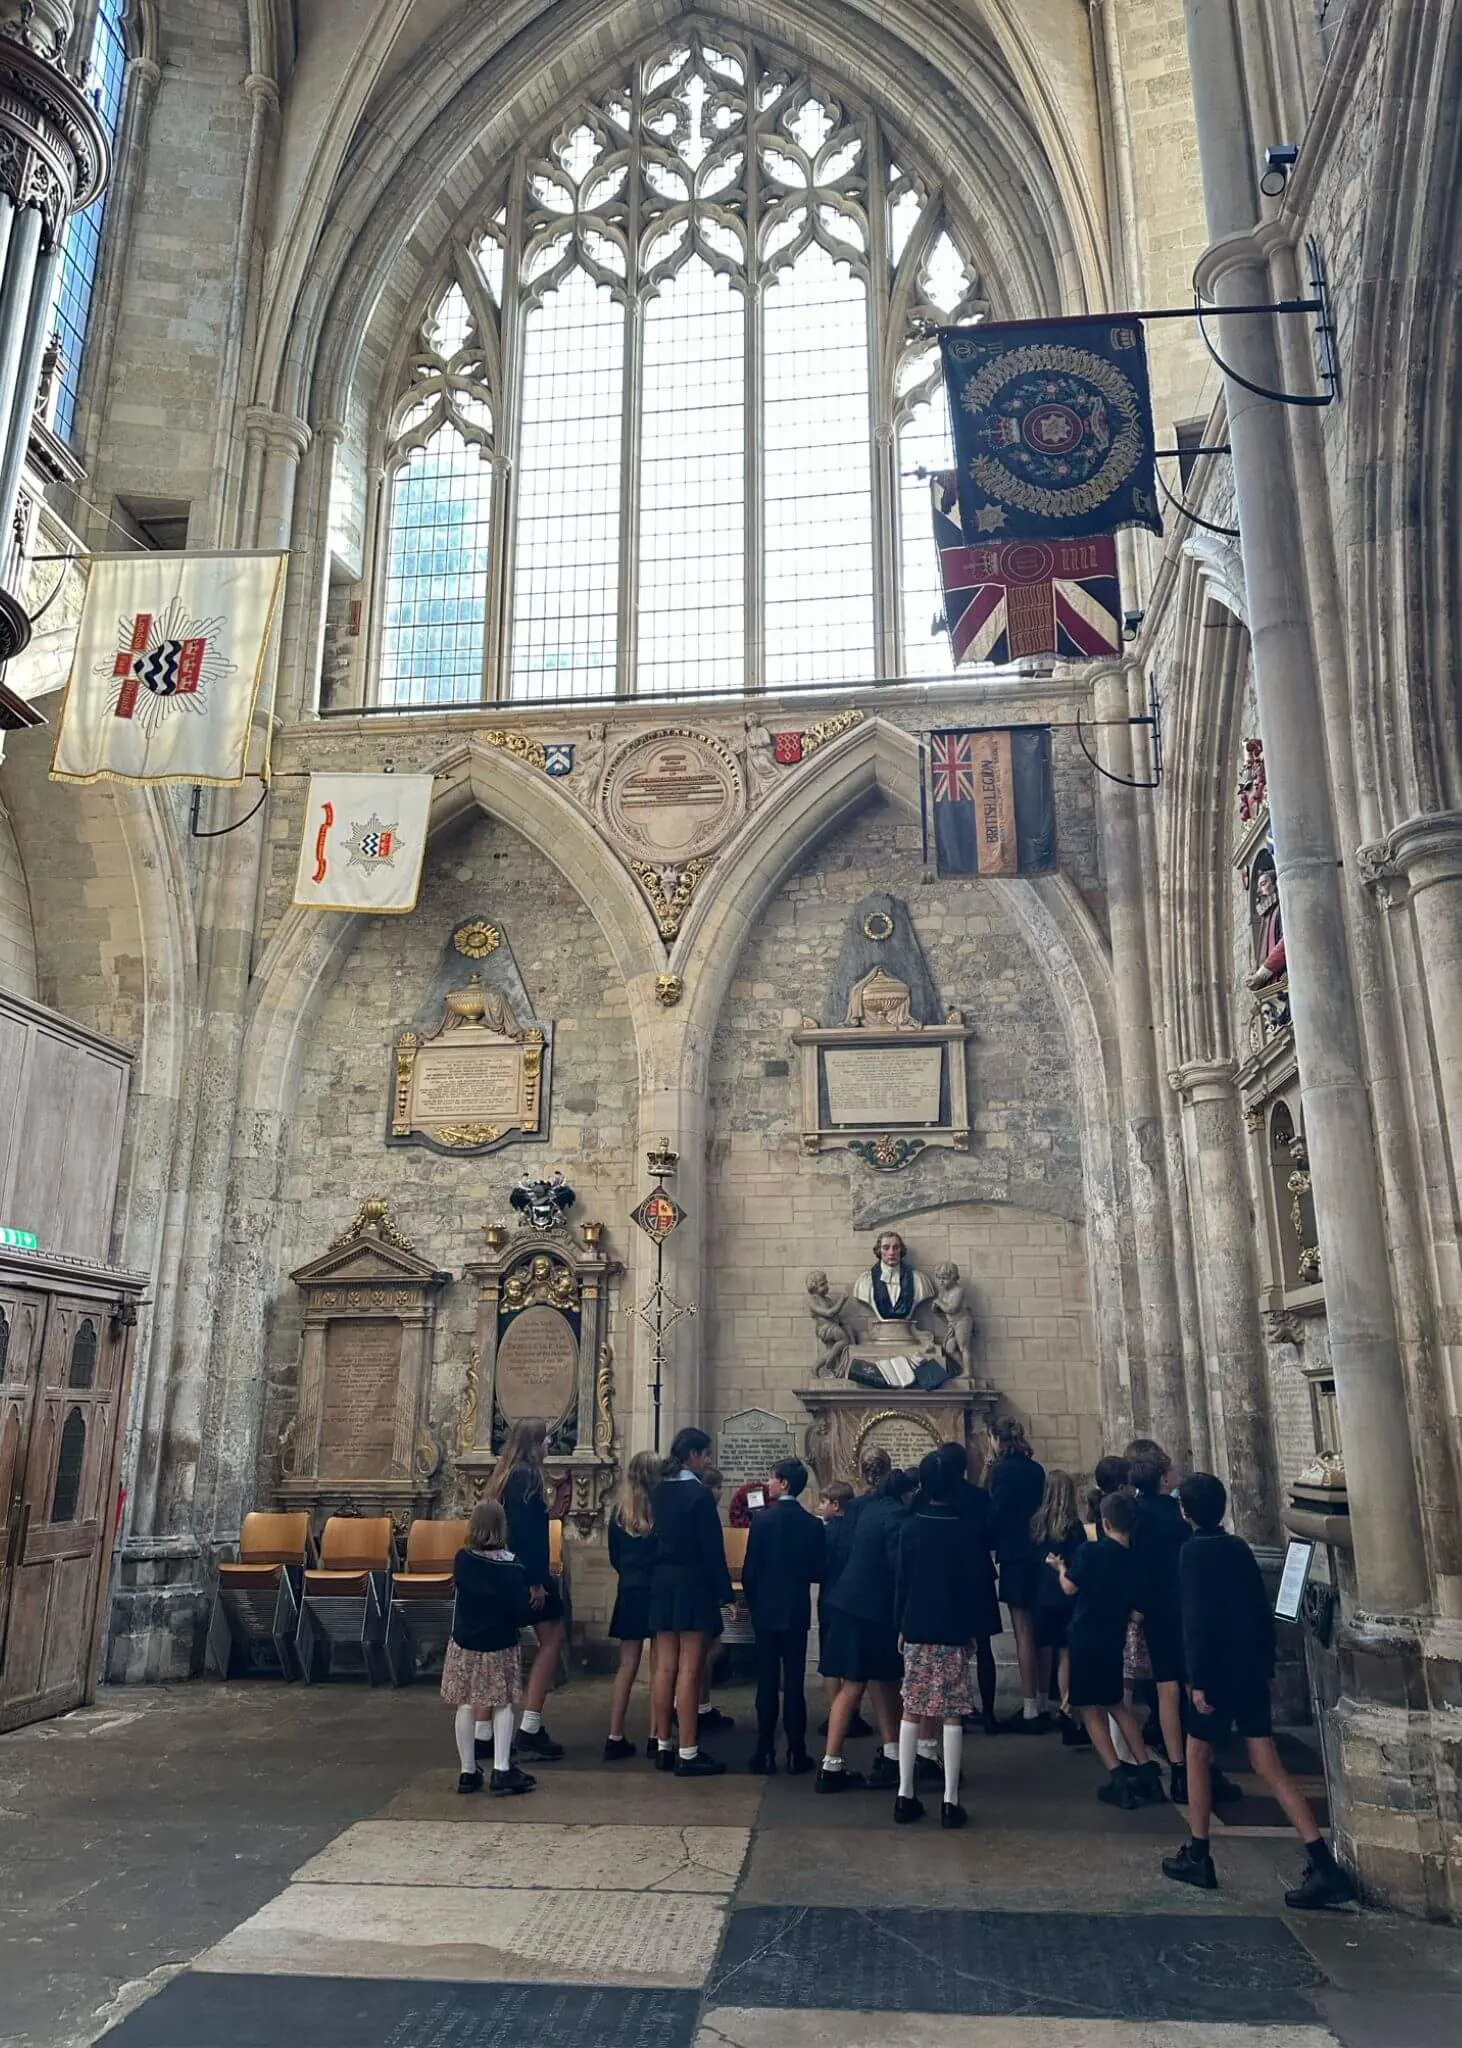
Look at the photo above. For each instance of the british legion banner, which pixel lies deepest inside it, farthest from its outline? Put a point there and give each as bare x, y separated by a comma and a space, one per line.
993, 801
364, 842
170, 655
1009, 599
1052, 428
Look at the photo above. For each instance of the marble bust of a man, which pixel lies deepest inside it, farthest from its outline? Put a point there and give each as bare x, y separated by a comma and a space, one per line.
891, 1290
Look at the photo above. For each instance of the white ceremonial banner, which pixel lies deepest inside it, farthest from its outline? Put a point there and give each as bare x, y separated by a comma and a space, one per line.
170, 654
364, 842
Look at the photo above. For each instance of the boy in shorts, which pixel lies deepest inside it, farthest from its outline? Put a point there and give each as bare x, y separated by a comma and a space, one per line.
1228, 1646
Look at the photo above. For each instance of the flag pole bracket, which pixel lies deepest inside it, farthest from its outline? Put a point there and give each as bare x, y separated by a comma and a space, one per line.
1153, 721
223, 831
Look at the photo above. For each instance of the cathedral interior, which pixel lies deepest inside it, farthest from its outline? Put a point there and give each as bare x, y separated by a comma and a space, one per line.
577, 363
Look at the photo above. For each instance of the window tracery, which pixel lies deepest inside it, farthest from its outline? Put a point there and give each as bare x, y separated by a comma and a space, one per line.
650, 436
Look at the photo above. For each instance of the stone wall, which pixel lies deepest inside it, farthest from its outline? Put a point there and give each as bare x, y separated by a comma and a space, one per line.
17, 932
1009, 1213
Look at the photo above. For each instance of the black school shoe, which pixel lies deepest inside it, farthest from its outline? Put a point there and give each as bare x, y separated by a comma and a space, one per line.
712, 1717
617, 1748
906, 1810
482, 1751
1120, 1791
841, 1781
799, 1763
507, 1784
540, 1744
470, 1781
952, 1816
1147, 1783
1192, 1864
664, 1758
927, 1771
699, 1766
763, 1764
884, 1776
1323, 1884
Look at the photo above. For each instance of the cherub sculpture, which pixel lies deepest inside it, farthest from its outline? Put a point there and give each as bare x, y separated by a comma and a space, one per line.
834, 1336
952, 1302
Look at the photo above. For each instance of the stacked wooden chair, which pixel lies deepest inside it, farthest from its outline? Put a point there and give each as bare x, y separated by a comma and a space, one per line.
256, 1602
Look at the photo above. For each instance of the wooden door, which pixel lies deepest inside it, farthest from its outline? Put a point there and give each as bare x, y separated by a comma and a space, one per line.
61, 1519
22, 1323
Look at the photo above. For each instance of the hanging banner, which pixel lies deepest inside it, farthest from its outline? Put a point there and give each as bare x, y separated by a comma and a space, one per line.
364, 843
1008, 600
170, 656
1052, 424
993, 801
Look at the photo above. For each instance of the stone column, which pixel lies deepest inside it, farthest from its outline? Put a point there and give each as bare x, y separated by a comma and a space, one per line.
1160, 1398
1427, 852
1370, 1386
1224, 1212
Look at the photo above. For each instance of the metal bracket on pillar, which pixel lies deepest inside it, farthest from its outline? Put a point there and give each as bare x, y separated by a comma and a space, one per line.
223, 830
1327, 364
1153, 722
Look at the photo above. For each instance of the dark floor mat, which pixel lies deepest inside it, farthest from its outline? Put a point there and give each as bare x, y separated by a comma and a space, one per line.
215, 2011
1046, 1965
1258, 1810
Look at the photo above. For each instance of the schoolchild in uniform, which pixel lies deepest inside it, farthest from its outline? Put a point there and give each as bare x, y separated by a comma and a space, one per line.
1110, 1477
874, 1468
1102, 1578
838, 1527
1157, 1541
862, 1645
482, 1673
1057, 1531
936, 1602
1016, 1482
972, 1504
712, 1721
785, 1557
517, 1481
689, 1586
632, 1548
1228, 1644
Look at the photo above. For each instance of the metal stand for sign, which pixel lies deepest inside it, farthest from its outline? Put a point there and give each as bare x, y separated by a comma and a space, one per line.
658, 1215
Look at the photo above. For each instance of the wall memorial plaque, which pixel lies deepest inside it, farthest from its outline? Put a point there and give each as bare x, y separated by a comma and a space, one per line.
749, 1444
906, 1438
671, 796
537, 1365
884, 1085
362, 1373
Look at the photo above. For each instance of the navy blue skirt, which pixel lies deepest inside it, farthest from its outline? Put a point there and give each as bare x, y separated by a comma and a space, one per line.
681, 1603
630, 1621
859, 1650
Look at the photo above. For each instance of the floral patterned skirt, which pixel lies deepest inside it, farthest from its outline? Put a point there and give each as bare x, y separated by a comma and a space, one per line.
937, 1682
487, 1679
1136, 1664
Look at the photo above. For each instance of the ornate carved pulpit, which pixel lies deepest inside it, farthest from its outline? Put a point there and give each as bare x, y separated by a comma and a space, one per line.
359, 1440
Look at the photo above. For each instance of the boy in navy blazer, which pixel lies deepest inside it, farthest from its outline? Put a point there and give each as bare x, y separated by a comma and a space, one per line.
785, 1554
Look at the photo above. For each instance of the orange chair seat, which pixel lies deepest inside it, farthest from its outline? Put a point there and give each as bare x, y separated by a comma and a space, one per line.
274, 1539
336, 1582
423, 1585
249, 1578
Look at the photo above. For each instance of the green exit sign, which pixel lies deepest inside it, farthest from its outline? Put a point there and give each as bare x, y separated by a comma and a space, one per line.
19, 1240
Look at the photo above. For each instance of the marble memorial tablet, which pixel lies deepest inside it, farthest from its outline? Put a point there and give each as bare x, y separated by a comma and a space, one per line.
484, 1081
749, 1444
362, 1375
883, 1085
906, 1438
537, 1365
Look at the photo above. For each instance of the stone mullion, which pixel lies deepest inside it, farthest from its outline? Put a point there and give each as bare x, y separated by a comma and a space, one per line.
753, 568
631, 414
498, 637
884, 438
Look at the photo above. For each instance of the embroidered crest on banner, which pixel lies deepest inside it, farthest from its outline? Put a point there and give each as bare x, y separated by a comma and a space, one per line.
165, 663
372, 844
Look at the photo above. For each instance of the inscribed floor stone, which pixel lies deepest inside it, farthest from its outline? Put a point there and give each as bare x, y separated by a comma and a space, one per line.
500, 1856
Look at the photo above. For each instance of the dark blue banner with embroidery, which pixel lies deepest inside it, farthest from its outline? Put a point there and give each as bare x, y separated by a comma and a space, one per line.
1052, 428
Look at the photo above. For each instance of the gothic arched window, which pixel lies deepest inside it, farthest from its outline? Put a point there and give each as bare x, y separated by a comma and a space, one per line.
655, 432
81, 246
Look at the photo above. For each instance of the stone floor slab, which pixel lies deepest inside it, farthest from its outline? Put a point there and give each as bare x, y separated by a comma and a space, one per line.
1372, 2019
461, 1933
634, 1796
749, 2027
536, 1857
1062, 1965
261, 2012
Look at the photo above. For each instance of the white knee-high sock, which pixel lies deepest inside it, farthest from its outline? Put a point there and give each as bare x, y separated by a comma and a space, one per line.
466, 1726
954, 1749
502, 1739
908, 1750
483, 1732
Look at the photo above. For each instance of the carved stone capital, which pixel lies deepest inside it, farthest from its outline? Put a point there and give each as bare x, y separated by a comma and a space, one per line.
1426, 850
1205, 1080
279, 432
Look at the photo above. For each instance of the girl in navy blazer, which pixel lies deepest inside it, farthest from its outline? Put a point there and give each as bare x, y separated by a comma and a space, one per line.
937, 1602
1016, 1484
633, 1547
517, 1481
483, 1669
689, 1586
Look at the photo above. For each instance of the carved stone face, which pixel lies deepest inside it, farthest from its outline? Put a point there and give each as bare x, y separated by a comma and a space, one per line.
945, 1275
889, 1249
1266, 892
817, 1283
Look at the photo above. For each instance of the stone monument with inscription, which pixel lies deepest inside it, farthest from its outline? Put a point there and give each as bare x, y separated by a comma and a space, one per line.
750, 1443
473, 1072
360, 1437
668, 802
541, 1348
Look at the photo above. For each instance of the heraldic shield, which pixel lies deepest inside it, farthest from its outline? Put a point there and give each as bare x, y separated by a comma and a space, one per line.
1052, 426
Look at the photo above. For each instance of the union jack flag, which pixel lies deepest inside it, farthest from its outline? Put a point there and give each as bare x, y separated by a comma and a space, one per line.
1007, 600
952, 757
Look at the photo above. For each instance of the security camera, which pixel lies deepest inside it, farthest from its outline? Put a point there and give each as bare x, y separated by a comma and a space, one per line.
1279, 160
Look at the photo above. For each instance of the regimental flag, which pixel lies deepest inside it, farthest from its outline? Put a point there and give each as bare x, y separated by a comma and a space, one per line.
1052, 428
170, 655
993, 802
364, 842
1009, 599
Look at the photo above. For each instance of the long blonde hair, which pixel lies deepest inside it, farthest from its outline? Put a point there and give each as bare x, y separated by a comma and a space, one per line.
1056, 1517
525, 1446
632, 1509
